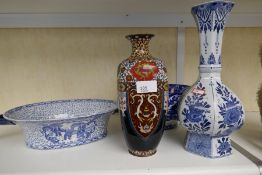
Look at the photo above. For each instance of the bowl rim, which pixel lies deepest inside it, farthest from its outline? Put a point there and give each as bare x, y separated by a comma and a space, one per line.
8, 114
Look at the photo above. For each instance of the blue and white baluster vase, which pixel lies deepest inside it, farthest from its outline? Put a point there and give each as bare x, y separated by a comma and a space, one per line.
210, 111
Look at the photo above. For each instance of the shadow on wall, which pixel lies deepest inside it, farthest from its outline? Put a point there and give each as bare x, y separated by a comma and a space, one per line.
259, 92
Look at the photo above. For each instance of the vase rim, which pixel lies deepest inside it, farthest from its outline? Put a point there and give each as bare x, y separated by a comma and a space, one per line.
214, 1
140, 36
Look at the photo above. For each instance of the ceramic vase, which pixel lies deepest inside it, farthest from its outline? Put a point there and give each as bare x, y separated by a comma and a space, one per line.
210, 111
143, 97
175, 94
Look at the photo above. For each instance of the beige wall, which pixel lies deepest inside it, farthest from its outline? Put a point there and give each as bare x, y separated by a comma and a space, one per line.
241, 71
49, 64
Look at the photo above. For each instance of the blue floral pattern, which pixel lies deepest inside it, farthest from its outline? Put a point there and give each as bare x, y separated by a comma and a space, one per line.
195, 112
207, 14
208, 146
221, 11
56, 133
224, 147
230, 109
200, 144
204, 17
175, 92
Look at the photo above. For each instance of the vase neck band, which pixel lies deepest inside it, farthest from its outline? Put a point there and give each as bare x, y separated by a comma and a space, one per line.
210, 71
140, 45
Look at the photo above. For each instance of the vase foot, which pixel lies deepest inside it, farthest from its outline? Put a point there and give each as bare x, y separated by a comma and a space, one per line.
208, 146
142, 153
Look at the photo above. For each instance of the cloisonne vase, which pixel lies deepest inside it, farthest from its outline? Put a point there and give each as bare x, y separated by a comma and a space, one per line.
143, 97
210, 111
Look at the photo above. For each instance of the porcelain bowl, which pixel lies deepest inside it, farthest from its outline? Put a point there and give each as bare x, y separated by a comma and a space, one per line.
175, 91
64, 123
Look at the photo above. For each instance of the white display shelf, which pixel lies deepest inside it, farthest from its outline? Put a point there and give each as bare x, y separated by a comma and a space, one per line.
250, 135
117, 13
110, 156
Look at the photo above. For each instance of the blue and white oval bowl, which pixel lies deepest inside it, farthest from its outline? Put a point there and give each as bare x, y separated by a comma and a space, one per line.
63, 123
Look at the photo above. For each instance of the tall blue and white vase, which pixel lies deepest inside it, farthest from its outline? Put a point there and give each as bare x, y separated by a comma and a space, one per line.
210, 111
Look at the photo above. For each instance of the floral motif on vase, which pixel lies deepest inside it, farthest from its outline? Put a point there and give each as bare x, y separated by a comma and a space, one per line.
195, 111
231, 110
198, 143
224, 147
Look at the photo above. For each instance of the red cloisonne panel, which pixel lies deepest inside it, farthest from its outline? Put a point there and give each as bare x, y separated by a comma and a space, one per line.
144, 70
145, 111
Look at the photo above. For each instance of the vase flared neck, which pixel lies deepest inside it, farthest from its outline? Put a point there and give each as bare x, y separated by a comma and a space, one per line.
210, 19
140, 45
